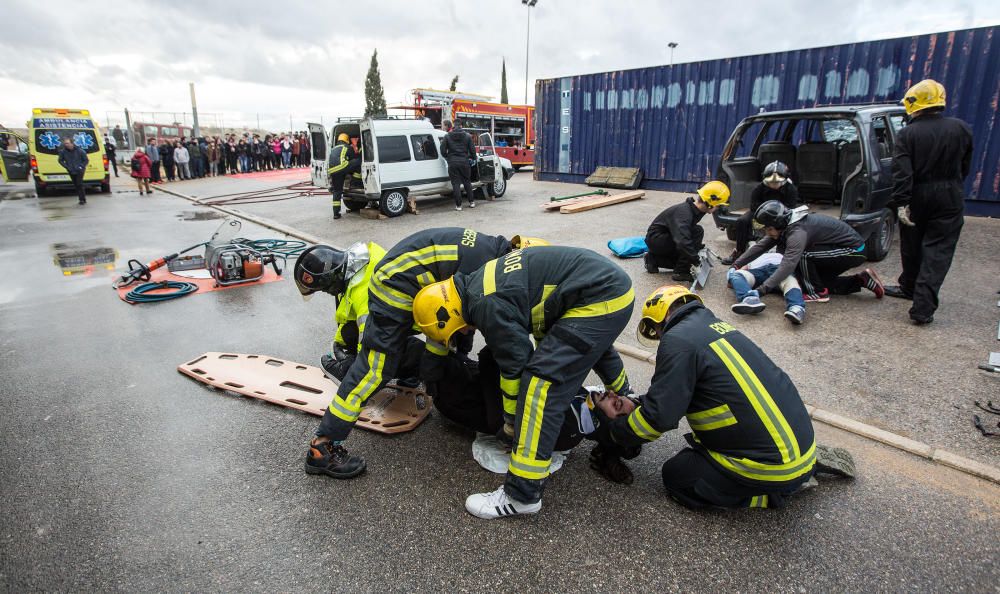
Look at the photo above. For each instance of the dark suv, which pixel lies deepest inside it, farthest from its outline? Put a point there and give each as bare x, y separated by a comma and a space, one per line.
841, 155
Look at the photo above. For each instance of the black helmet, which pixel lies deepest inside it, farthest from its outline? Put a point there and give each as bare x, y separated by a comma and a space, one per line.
321, 268
776, 172
773, 214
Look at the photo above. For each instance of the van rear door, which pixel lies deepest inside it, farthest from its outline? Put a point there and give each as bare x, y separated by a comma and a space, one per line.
320, 155
369, 161
14, 160
487, 163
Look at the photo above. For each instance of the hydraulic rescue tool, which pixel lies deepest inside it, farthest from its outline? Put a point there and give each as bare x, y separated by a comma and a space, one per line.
137, 271
232, 261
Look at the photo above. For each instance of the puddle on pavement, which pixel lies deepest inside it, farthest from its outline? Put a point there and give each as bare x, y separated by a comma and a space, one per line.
200, 215
83, 258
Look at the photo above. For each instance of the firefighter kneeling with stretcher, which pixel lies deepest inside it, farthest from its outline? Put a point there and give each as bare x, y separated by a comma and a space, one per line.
752, 442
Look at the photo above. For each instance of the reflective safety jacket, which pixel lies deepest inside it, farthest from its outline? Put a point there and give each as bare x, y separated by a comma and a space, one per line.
352, 307
745, 413
527, 291
340, 158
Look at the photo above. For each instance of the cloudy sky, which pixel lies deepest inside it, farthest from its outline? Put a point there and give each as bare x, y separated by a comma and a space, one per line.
307, 59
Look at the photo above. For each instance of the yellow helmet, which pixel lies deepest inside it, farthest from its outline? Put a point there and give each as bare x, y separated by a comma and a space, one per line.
714, 193
926, 93
519, 242
343, 137
655, 309
437, 310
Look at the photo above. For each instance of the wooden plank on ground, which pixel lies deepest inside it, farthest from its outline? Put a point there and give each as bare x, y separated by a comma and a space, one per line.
560, 203
603, 201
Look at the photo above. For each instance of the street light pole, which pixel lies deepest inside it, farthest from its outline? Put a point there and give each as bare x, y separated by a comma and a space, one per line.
527, 46
672, 45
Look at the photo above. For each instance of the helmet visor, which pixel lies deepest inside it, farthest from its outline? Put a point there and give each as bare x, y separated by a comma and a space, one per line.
647, 334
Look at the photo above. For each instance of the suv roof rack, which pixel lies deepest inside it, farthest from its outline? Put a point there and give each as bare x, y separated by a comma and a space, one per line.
866, 104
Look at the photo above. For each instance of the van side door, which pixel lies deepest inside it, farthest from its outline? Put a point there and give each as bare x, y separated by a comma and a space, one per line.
369, 162
320, 155
487, 162
14, 158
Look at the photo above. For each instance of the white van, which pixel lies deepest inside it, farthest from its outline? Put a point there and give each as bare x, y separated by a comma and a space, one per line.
401, 158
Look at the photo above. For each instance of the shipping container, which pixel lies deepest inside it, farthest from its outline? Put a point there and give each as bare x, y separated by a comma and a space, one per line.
673, 121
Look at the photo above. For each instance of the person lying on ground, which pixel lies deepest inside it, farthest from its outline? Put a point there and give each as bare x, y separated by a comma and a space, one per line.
744, 283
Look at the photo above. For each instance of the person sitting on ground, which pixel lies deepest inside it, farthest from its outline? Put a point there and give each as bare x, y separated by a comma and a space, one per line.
816, 248
141, 169
744, 283
775, 186
675, 237
752, 442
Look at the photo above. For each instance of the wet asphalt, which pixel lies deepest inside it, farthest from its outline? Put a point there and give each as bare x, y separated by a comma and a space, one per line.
119, 473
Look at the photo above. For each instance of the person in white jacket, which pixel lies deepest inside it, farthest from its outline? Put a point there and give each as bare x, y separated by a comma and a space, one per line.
183, 160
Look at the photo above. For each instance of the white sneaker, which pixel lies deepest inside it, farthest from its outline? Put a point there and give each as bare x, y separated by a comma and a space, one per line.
472, 205
497, 504
458, 208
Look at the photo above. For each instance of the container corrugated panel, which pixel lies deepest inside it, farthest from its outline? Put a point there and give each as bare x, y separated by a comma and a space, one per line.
673, 121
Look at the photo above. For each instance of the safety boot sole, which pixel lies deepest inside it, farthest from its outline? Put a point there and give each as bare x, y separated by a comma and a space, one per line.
310, 469
836, 461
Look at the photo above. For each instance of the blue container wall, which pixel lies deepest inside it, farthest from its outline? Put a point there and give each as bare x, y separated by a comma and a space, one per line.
673, 122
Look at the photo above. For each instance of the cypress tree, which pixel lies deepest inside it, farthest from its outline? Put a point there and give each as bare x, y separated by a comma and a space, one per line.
454, 83
503, 83
374, 93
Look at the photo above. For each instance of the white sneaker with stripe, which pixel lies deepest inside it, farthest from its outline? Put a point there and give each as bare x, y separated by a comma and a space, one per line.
497, 504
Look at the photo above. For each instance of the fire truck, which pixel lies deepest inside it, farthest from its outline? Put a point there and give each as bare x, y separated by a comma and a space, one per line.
511, 126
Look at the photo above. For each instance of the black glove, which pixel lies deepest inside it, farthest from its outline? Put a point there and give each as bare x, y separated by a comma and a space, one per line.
610, 466
337, 367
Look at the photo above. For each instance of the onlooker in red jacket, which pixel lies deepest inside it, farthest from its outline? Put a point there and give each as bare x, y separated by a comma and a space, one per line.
142, 168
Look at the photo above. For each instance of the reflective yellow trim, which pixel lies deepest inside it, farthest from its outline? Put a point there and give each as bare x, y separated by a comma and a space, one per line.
510, 386
713, 418
618, 383
425, 279
421, 257
772, 473
490, 278
436, 347
343, 410
369, 383
602, 308
391, 297
538, 313
641, 427
528, 468
758, 501
510, 405
531, 417
759, 398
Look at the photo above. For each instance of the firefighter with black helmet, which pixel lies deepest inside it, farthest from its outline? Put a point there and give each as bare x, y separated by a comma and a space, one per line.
344, 160
415, 262
752, 442
574, 303
350, 274
674, 238
931, 157
814, 247
776, 184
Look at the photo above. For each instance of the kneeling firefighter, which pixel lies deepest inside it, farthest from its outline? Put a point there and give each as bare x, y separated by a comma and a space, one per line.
415, 262
575, 303
344, 160
752, 441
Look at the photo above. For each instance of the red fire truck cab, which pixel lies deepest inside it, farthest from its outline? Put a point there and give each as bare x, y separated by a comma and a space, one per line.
512, 126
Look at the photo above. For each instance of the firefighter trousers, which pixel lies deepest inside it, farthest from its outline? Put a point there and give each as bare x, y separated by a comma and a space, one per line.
695, 482
554, 374
927, 248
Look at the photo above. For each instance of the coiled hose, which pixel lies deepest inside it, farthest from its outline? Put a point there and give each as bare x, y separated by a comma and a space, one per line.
141, 293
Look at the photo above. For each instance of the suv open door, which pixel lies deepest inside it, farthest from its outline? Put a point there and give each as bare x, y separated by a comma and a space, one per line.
14, 159
320, 155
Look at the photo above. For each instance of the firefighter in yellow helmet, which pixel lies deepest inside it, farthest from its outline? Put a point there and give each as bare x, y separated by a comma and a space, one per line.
930, 161
675, 237
344, 161
752, 441
574, 303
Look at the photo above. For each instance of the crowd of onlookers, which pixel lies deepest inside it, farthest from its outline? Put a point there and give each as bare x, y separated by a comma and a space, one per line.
188, 158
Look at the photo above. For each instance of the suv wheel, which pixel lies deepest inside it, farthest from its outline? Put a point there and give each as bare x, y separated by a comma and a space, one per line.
393, 203
878, 245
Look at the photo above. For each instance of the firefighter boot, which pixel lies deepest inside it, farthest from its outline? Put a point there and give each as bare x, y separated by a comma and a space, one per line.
836, 461
332, 459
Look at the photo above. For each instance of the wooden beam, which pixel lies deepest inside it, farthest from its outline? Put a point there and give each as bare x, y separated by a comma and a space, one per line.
601, 202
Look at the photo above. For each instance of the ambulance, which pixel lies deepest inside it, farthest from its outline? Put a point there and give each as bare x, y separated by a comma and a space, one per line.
47, 129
